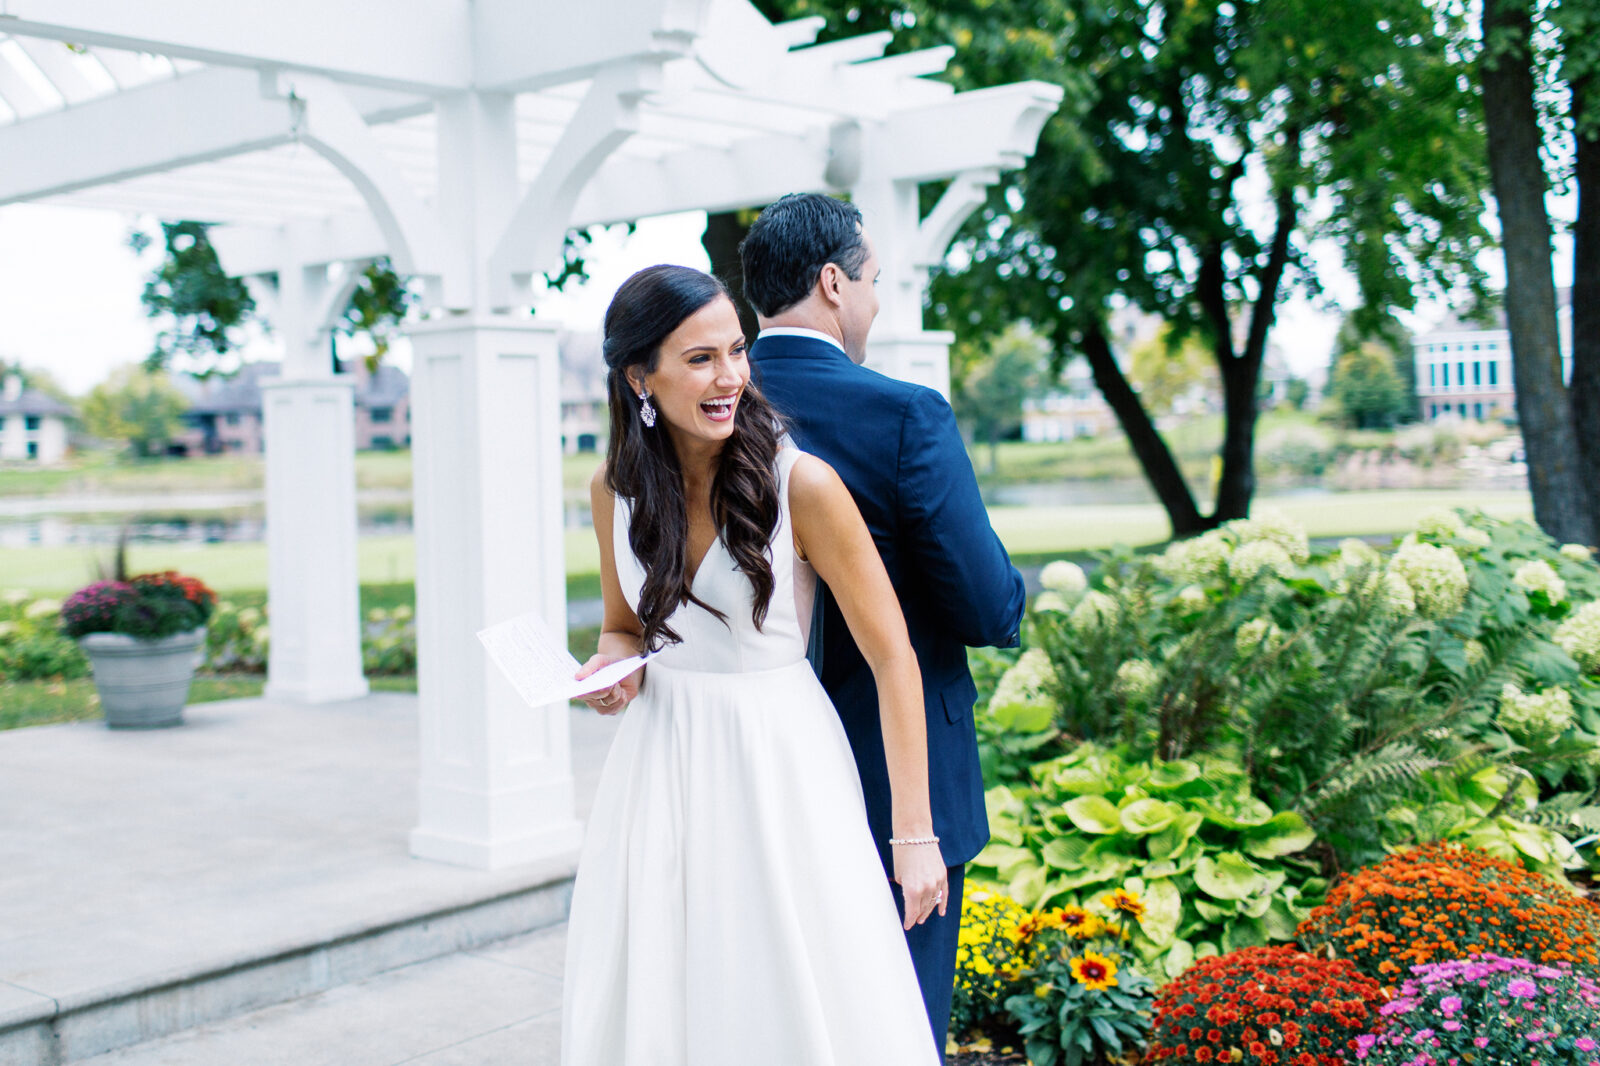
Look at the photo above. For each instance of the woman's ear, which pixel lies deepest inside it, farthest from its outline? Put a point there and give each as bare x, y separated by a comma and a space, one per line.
635, 377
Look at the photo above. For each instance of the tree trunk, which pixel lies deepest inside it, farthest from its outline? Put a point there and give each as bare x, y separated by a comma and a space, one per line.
724, 231
1585, 389
1160, 469
1519, 180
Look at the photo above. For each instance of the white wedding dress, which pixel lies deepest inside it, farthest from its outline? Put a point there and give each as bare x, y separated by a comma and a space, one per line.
730, 908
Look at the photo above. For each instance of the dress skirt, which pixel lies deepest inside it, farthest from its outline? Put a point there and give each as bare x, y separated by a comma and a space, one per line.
730, 907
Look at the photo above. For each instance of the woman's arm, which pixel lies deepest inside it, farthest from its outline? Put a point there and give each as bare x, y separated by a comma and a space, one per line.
831, 535
620, 629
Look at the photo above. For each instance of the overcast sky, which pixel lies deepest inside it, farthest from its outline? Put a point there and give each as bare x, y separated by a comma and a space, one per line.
69, 291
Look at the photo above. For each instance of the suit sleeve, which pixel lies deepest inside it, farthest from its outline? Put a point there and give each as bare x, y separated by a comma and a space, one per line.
946, 530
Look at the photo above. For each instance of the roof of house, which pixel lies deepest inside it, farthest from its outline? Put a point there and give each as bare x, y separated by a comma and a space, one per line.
241, 392
34, 402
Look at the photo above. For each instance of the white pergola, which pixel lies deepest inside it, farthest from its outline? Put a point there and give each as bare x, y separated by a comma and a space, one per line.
463, 139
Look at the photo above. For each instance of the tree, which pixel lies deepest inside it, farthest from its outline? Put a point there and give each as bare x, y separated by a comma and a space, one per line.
1200, 149
206, 307
990, 392
1369, 392
1527, 50
1377, 326
378, 305
137, 405
1165, 368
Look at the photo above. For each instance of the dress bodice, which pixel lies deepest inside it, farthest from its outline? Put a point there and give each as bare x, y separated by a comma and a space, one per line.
732, 644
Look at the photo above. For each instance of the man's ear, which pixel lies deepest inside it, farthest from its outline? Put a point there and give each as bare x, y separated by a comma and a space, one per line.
829, 282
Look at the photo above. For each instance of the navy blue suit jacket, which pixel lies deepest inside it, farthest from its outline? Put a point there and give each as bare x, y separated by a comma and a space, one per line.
896, 447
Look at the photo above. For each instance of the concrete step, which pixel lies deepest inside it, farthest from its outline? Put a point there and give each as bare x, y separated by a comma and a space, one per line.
495, 1005
40, 1031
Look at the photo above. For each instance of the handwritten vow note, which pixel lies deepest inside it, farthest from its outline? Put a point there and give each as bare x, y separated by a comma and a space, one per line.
538, 665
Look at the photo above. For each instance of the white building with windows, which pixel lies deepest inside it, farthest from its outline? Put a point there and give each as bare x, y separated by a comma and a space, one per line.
1464, 368
33, 426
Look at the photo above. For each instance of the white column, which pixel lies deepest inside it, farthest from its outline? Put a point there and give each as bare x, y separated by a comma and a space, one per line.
898, 345
312, 582
496, 786
308, 426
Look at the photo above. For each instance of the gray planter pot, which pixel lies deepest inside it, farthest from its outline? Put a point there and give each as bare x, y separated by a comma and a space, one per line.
143, 684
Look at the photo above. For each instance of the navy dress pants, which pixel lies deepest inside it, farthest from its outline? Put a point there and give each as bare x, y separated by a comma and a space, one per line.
933, 953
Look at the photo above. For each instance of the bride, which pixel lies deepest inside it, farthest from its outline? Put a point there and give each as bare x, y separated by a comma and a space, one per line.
730, 907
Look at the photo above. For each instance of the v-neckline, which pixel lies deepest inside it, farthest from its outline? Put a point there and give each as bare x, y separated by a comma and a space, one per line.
705, 557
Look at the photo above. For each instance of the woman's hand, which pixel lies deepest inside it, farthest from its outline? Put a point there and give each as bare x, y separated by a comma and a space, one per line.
618, 696
924, 882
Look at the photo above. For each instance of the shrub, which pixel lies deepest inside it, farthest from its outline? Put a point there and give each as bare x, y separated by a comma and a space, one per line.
149, 606
1215, 865
988, 962
1083, 997
1510, 1012
237, 640
389, 643
1267, 1004
32, 646
1437, 902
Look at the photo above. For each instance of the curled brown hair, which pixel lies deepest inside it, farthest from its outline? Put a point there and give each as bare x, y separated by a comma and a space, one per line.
642, 466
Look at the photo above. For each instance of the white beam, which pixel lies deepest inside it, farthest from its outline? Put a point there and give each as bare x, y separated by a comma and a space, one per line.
403, 44
975, 130
208, 115
519, 50
56, 63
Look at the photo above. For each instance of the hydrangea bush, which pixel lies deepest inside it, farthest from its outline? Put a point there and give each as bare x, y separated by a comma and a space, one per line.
32, 646
1277, 1006
1510, 1012
1379, 694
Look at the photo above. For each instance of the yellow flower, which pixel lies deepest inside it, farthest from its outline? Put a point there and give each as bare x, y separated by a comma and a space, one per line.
1077, 921
1042, 991
1125, 902
1094, 970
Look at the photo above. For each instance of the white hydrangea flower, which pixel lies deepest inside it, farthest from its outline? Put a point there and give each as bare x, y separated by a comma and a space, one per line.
1578, 553
1051, 601
6, 630
42, 609
1355, 553
1436, 577
1258, 635
1534, 715
1136, 679
16, 597
1196, 559
1475, 652
1478, 538
1539, 576
1094, 612
1579, 636
1064, 577
1026, 683
1272, 526
1395, 598
1192, 598
1440, 523
1258, 555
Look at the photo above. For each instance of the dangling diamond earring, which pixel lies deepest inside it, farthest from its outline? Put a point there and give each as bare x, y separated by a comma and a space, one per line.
647, 410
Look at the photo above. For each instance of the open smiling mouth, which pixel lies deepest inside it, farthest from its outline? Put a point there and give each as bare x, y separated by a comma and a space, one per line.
720, 409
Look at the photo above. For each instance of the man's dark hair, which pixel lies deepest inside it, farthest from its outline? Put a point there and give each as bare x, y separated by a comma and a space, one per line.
790, 243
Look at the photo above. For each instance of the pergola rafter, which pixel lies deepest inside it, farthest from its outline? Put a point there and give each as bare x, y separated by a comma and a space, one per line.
462, 141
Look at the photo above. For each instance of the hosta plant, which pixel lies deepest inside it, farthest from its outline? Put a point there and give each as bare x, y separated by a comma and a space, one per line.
1216, 868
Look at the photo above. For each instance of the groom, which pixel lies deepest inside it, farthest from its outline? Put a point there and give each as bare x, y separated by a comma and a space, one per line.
809, 272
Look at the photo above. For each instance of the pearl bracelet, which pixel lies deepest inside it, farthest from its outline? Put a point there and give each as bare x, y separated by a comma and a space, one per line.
913, 840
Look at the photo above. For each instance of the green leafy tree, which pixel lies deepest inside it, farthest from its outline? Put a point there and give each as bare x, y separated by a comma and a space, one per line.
1200, 149
377, 307
136, 405
1166, 367
1367, 325
1369, 392
1538, 68
990, 392
205, 308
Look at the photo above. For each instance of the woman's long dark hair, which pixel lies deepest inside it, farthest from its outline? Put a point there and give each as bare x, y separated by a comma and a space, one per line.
642, 466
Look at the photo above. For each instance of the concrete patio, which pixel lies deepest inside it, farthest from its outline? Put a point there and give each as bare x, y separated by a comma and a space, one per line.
156, 882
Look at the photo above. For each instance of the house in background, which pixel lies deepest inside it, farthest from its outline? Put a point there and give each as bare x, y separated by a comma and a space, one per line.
33, 425
1464, 368
585, 417
224, 414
